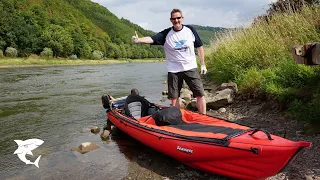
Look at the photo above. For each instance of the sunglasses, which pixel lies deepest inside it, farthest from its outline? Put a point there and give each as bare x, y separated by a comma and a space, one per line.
172, 19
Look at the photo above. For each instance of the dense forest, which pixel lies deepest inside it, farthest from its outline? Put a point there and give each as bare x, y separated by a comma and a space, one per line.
72, 28
69, 28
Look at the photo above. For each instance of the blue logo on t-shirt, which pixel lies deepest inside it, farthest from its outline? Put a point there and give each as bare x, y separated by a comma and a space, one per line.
180, 44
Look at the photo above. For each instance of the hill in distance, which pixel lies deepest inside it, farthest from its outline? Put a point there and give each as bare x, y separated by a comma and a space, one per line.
207, 33
69, 27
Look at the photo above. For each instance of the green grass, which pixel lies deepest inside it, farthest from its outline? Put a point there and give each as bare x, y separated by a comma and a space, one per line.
36, 61
259, 58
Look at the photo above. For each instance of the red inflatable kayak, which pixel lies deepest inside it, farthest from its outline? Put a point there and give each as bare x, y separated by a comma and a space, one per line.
207, 143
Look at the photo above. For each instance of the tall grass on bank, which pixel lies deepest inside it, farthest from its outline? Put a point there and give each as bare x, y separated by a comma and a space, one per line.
264, 44
259, 58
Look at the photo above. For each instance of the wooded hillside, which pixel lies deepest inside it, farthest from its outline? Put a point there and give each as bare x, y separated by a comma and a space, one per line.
207, 33
69, 27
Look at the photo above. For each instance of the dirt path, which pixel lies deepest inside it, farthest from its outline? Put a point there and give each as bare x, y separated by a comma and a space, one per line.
149, 164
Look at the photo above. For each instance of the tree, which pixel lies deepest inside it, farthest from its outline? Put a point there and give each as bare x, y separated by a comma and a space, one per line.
85, 51
289, 5
113, 51
59, 40
81, 47
123, 51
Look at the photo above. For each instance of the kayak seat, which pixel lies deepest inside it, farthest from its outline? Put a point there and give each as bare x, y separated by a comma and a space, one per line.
168, 116
149, 120
137, 106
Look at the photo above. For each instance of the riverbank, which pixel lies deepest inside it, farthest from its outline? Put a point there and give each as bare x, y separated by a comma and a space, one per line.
37, 62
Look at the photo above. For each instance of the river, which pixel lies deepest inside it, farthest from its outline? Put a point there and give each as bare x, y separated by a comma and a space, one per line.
59, 105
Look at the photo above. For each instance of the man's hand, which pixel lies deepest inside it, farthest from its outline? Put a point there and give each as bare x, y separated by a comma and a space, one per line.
135, 38
203, 69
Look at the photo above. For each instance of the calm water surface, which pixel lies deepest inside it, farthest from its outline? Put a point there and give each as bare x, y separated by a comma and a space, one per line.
58, 105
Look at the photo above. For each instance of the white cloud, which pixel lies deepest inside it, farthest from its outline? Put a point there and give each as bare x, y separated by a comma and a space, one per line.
144, 25
154, 15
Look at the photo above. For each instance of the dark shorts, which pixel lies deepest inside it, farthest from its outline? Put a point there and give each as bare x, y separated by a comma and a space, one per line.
191, 77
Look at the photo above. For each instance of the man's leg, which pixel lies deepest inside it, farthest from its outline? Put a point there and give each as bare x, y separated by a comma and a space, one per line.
194, 82
201, 105
175, 102
174, 87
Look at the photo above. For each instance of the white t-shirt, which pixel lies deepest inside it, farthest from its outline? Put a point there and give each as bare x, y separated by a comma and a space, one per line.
179, 47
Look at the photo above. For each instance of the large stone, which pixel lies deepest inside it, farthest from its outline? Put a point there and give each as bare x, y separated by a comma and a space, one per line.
186, 94
229, 85
105, 135
87, 147
211, 88
192, 106
221, 99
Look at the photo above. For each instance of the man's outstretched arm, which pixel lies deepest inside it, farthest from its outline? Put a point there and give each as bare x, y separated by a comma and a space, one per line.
143, 40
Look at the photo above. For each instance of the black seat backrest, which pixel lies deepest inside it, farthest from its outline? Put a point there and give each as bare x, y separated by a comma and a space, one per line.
168, 116
136, 106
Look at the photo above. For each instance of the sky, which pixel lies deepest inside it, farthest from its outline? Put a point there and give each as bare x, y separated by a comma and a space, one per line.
154, 14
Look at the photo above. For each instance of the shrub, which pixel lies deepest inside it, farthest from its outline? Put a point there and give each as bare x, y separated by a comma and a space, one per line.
25, 52
1, 54
290, 74
33, 56
309, 112
11, 52
73, 57
250, 81
46, 53
85, 52
97, 55
282, 94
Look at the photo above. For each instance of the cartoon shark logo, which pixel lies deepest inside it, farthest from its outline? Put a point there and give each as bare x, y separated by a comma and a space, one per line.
180, 44
25, 147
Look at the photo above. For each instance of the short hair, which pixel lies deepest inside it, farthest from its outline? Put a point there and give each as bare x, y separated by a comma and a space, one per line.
175, 10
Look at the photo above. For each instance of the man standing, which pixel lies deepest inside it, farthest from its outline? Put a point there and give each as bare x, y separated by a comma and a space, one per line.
179, 42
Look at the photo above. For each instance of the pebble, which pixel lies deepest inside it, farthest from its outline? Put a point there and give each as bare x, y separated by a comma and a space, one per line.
222, 110
95, 130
